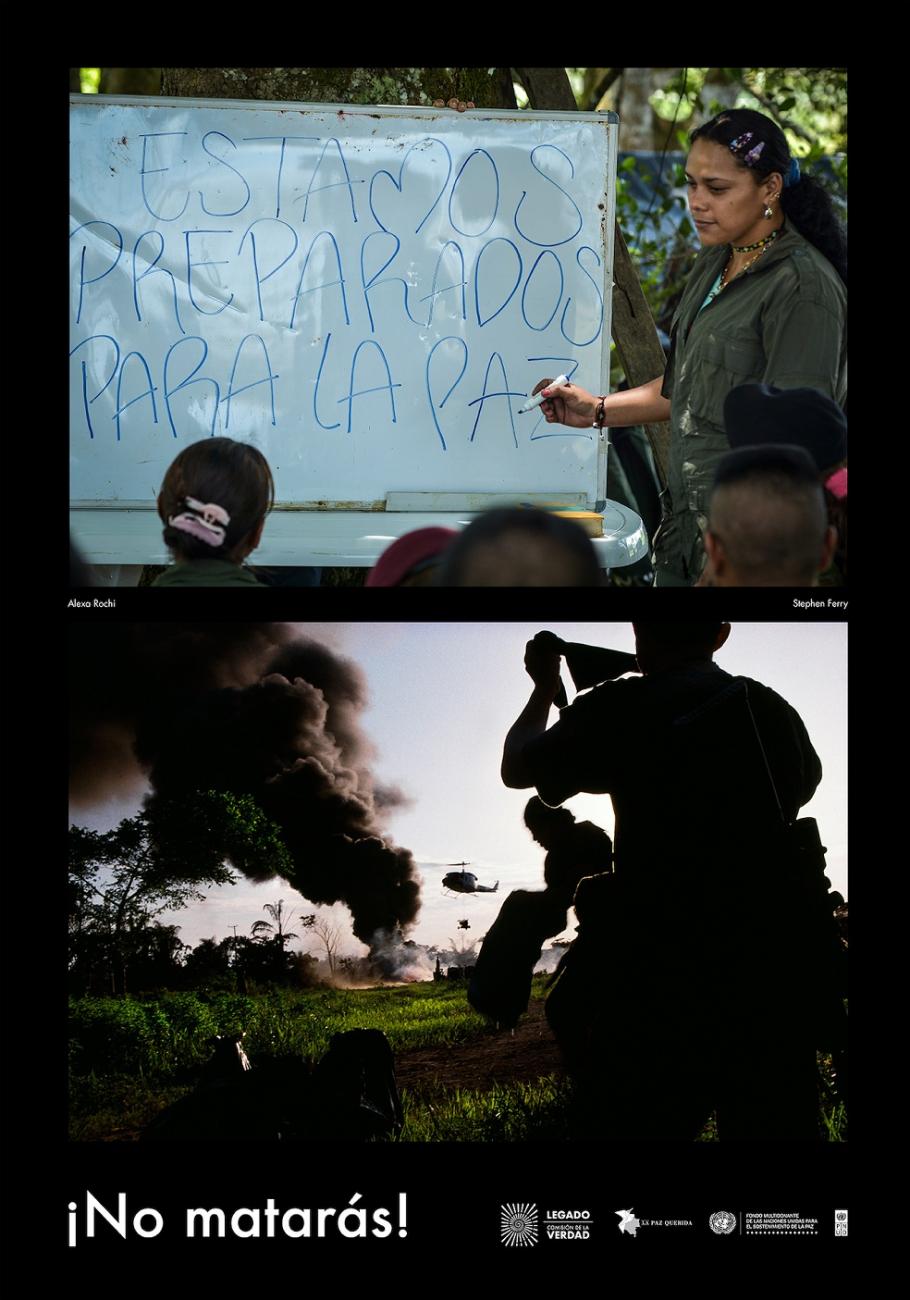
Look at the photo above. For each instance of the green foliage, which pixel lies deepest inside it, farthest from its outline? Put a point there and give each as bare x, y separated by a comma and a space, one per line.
194, 836
157, 861
809, 104
518, 1112
169, 1031
89, 77
676, 101
131, 1057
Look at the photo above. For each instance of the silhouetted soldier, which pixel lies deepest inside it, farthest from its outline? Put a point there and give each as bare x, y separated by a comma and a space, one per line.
501, 983
688, 989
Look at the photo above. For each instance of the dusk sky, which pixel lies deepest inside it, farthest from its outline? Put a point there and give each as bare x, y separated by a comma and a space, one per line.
441, 698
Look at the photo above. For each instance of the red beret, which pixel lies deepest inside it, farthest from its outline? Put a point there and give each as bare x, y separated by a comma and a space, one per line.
398, 560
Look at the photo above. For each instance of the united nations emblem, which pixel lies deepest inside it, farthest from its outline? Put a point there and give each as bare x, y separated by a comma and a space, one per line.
722, 1222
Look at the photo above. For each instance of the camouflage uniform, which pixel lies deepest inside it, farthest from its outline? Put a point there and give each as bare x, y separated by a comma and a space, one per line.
784, 323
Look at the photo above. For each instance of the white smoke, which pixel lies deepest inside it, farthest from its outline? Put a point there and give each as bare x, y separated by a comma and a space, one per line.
397, 958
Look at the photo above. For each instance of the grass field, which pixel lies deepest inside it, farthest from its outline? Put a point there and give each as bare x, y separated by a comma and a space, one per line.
131, 1058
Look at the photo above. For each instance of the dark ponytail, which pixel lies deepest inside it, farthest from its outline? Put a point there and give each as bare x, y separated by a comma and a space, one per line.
761, 146
808, 205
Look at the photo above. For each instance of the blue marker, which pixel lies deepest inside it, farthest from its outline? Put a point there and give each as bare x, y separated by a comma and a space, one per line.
540, 399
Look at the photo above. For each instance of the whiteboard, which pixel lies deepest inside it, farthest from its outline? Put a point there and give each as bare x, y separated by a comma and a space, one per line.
366, 294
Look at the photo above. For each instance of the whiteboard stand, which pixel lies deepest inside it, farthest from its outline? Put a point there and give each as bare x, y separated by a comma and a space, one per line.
365, 293
120, 540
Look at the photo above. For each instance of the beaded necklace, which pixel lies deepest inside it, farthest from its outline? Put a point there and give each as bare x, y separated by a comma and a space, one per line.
762, 246
747, 248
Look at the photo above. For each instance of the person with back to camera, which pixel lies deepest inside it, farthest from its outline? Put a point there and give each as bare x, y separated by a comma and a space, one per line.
514, 546
213, 503
768, 520
765, 303
757, 414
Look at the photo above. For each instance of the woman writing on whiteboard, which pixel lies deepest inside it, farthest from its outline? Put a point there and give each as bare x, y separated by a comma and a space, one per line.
766, 302
213, 503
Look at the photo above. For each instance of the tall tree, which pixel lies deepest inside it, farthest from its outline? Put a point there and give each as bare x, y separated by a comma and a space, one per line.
160, 860
130, 81
487, 87
280, 920
329, 937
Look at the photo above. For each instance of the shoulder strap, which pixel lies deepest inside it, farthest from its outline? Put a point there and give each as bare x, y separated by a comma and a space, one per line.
763, 753
738, 686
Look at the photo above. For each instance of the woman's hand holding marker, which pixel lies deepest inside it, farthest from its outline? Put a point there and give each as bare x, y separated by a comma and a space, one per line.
566, 403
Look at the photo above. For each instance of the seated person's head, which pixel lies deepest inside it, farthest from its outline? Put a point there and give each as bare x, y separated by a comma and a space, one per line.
768, 524
546, 824
517, 547
412, 560
214, 500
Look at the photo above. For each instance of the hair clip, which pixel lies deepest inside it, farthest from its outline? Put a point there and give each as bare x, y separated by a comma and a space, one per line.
740, 142
211, 513
207, 522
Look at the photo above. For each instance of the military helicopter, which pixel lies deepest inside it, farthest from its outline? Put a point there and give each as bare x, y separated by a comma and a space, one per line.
464, 882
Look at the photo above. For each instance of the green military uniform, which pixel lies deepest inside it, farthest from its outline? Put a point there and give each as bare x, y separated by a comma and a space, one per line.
783, 322
206, 573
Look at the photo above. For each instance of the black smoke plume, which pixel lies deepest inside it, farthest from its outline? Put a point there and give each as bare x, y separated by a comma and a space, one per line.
251, 709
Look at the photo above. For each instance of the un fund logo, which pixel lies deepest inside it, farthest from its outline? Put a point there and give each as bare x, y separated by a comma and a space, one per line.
722, 1222
519, 1225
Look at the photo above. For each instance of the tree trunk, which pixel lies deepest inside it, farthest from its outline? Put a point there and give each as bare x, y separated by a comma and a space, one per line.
548, 88
633, 327
130, 81
717, 89
640, 353
589, 88
639, 128
606, 92
488, 88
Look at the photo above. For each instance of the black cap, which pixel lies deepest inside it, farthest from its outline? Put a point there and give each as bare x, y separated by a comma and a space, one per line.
793, 461
757, 413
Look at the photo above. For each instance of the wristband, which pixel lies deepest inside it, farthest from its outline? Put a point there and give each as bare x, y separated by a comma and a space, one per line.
599, 414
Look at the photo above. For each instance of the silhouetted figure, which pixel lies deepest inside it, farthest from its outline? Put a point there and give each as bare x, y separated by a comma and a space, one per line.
697, 980
227, 1064
518, 547
351, 1094
355, 1092
230, 1101
768, 521
501, 986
